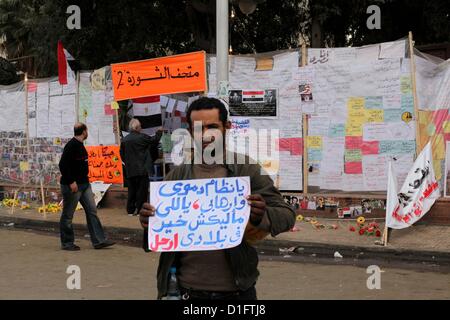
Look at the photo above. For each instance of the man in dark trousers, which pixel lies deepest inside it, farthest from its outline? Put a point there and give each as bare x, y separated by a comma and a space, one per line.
135, 150
75, 187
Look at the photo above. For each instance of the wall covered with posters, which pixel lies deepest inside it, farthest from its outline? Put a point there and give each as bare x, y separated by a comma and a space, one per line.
433, 79
359, 103
267, 100
361, 118
37, 121
360, 107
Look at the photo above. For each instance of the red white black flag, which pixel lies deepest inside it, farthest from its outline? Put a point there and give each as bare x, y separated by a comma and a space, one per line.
65, 72
148, 111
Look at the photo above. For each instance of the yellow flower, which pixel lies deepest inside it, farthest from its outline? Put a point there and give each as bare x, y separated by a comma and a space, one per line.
299, 217
360, 220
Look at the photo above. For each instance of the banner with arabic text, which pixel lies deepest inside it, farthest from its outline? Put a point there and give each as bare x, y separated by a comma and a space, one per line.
173, 74
105, 164
198, 215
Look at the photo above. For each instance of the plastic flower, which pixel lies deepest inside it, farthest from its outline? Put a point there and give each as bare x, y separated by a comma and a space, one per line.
378, 233
362, 231
361, 220
299, 217
352, 229
374, 224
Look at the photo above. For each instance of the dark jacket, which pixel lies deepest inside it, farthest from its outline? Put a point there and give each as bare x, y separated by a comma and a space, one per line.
74, 163
134, 150
243, 259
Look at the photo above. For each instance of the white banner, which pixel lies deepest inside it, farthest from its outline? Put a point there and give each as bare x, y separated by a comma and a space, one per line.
198, 214
417, 195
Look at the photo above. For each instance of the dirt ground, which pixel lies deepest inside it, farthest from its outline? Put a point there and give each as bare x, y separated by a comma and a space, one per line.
33, 267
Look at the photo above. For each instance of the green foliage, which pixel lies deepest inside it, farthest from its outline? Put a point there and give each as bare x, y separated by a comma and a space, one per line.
273, 26
8, 73
344, 21
111, 31
125, 30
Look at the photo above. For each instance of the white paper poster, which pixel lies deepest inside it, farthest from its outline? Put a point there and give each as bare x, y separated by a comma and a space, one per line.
198, 215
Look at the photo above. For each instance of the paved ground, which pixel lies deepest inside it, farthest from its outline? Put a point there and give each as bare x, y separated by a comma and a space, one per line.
418, 237
33, 267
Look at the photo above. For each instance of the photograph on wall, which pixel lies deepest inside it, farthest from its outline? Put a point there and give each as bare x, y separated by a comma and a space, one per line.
253, 103
305, 92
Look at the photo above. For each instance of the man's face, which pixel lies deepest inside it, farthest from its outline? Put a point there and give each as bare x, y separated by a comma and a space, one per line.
209, 120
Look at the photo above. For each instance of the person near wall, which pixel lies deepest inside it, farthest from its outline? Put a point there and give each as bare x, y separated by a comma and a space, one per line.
75, 187
230, 273
136, 150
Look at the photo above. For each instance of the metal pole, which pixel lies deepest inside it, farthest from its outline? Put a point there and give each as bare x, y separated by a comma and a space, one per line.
222, 43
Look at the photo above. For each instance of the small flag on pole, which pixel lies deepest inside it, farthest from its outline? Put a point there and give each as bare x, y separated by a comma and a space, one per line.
65, 72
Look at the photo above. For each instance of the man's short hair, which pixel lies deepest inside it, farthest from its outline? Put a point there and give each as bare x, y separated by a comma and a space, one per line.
79, 128
135, 125
206, 103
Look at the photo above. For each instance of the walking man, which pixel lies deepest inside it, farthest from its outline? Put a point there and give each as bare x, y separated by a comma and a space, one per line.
136, 151
75, 187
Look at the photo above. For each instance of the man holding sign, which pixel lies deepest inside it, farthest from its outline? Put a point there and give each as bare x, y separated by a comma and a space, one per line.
195, 217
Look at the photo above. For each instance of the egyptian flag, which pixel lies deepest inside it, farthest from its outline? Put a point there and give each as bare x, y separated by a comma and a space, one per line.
148, 111
65, 72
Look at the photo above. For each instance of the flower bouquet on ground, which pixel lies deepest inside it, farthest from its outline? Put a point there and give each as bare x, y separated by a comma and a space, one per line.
370, 229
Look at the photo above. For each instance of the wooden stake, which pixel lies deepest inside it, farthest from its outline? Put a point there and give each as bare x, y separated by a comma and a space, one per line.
27, 129
14, 202
77, 97
43, 199
304, 55
305, 154
414, 89
118, 127
385, 235
305, 131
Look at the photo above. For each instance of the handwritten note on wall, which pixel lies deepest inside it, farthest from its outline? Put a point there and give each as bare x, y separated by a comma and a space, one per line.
172, 74
198, 215
105, 164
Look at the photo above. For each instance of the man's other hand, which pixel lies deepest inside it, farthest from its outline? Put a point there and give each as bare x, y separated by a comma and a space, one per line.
146, 211
257, 208
74, 187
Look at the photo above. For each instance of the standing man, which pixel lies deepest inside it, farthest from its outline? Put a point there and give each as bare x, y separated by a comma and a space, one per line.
136, 151
75, 187
229, 273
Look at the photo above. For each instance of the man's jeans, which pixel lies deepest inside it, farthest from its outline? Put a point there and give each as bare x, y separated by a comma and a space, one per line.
70, 201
